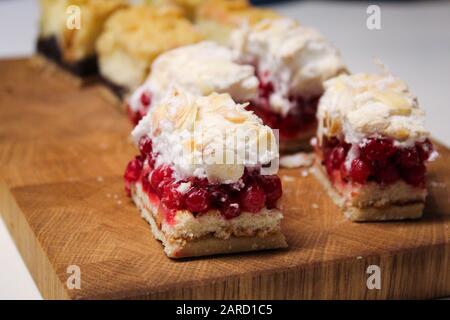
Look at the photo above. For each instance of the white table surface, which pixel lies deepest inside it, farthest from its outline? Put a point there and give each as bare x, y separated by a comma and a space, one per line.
414, 42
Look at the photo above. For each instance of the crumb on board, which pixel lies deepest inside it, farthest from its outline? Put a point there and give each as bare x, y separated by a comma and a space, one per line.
297, 160
436, 184
103, 146
315, 206
288, 178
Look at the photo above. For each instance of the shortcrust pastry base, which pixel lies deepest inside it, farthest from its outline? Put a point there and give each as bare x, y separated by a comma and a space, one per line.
206, 245
388, 211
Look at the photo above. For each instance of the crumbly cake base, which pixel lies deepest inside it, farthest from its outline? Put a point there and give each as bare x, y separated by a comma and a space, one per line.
389, 211
205, 245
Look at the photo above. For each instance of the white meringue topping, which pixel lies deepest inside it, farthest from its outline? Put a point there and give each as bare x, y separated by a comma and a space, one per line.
199, 69
363, 105
294, 58
209, 136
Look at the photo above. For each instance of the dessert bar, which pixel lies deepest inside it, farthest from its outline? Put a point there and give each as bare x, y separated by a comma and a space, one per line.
291, 62
195, 204
372, 147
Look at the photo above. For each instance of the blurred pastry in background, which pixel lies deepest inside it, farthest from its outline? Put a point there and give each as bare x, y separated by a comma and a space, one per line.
72, 47
199, 69
134, 37
217, 18
188, 6
291, 62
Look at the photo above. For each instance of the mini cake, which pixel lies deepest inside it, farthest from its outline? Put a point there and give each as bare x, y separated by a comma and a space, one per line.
372, 147
195, 204
292, 62
199, 69
218, 18
74, 49
134, 37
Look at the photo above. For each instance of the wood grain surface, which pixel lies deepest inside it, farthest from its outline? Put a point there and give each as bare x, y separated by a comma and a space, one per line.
63, 148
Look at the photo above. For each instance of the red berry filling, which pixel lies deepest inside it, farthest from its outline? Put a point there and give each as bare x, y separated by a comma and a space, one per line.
145, 146
359, 170
132, 173
251, 194
301, 118
272, 188
160, 178
197, 200
252, 198
171, 197
145, 101
377, 159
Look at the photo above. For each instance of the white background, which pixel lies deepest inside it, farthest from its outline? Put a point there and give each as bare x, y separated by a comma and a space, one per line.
414, 42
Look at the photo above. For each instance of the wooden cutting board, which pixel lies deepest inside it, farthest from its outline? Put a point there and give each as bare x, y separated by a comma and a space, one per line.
63, 149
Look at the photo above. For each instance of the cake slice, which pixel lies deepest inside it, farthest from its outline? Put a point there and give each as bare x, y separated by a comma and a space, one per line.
216, 19
74, 48
204, 178
372, 147
292, 62
199, 69
134, 37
